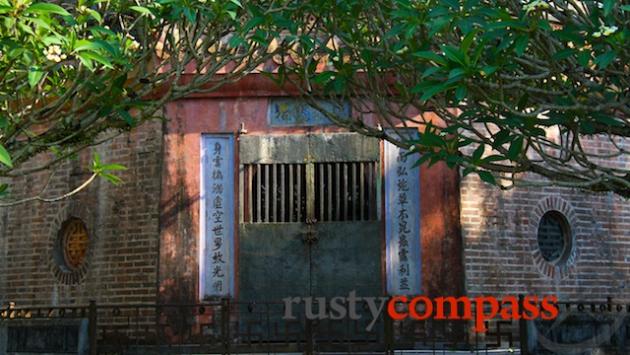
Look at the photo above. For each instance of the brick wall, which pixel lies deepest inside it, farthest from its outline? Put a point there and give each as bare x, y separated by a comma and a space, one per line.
500, 246
122, 222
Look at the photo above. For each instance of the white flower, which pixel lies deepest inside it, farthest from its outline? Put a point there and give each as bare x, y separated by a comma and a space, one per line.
53, 53
54, 49
535, 5
403, 50
605, 31
53, 58
133, 44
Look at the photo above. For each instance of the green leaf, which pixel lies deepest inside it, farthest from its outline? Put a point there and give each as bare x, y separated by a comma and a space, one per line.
608, 6
563, 54
142, 10
237, 3
608, 120
502, 137
478, 152
95, 15
430, 71
113, 167
603, 60
457, 72
5, 157
625, 8
45, 8
487, 177
493, 158
115, 180
433, 90
86, 61
84, 44
454, 54
460, 93
34, 76
521, 44
583, 58
522, 102
467, 41
488, 70
423, 158
97, 58
515, 148
431, 56
323, 77
126, 116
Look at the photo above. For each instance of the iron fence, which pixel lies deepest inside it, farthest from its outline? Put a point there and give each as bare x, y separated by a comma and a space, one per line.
225, 327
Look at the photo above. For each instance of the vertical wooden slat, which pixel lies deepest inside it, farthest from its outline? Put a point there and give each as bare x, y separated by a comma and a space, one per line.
337, 192
329, 182
346, 191
374, 170
274, 195
355, 194
361, 191
250, 193
267, 192
320, 167
369, 189
310, 191
299, 193
282, 194
291, 202
258, 189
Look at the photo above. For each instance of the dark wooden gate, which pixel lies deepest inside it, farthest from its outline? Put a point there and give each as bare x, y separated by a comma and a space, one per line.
310, 221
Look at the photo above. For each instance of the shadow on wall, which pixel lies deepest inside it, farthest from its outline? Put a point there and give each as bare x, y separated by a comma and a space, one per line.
178, 272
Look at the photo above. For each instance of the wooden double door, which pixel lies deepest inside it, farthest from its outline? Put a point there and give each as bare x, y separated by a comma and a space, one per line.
310, 217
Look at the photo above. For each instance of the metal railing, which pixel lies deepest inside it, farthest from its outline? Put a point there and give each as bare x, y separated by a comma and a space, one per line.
225, 326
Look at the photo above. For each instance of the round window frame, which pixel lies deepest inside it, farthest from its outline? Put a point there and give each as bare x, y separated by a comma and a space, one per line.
566, 266
567, 233
63, 237
64, 273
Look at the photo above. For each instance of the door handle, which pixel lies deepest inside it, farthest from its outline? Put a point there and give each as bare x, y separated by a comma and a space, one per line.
310, 237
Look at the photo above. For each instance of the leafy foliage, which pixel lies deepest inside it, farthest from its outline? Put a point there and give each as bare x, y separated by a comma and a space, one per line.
520, 86
76, 73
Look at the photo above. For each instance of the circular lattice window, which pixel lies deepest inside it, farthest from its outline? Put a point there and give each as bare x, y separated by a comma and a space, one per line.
71, 251
553, 237
74, 243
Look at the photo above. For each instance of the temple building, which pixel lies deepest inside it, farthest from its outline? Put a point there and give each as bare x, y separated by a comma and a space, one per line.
248, 195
